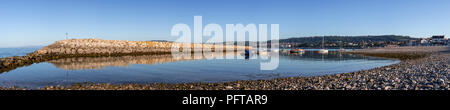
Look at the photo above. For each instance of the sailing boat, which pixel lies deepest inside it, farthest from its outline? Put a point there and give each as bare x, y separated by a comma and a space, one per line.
297, 51
323, 50
341, 49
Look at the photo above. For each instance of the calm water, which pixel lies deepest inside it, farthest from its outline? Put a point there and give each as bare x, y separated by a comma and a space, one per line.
6, 52
167, 69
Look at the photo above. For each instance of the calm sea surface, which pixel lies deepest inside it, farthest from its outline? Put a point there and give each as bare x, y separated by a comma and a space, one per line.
6, 52
169, 69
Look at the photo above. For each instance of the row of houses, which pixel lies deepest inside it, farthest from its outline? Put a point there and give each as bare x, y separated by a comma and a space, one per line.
437, 40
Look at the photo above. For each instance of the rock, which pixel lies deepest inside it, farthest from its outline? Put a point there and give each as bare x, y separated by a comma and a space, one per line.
387, 88
441, 81
42, 52
348, 87
80, 51
6, 64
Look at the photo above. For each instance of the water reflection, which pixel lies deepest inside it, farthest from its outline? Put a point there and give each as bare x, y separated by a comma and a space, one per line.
330, 56
85, 63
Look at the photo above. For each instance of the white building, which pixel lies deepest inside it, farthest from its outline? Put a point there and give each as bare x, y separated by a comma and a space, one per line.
424, 41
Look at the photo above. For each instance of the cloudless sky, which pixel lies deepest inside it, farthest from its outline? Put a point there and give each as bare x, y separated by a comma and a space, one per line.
41, 22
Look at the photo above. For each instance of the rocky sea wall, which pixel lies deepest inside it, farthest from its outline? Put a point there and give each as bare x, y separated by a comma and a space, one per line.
99, 48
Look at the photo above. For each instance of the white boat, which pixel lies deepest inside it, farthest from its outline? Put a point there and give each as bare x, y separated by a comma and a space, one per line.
297, 51
275, 50
284, 51
262, 52
323, 50
341, 49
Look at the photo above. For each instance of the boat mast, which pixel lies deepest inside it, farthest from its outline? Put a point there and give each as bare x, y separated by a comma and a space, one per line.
323, 40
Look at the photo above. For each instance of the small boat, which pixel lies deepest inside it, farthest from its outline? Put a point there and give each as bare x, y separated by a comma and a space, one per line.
284, 51
341, 49
247, 52
297, 51
275, 50
262, 52
323, 50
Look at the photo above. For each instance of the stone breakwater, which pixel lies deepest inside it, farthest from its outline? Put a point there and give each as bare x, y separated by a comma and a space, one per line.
99, 48
427, 73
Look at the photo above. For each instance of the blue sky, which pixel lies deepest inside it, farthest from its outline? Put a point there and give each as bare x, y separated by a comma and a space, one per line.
41, 22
